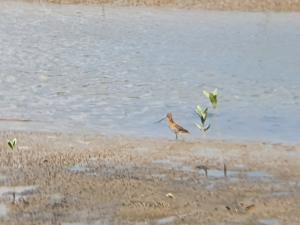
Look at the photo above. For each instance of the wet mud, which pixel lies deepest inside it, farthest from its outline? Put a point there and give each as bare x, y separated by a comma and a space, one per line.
54, 178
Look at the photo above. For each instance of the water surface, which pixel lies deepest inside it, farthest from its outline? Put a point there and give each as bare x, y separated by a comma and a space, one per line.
116, 71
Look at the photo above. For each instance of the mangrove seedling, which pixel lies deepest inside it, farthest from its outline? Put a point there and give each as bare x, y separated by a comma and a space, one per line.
213, 97
12, 143
202, 113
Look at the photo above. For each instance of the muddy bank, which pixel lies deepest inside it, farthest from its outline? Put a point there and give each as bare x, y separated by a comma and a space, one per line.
248, 5
65, 179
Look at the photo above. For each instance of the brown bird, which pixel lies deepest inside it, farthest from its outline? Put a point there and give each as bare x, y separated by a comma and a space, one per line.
176, 128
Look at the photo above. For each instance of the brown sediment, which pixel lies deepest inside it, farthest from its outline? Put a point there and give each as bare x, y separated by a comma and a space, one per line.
118, 180
244, 5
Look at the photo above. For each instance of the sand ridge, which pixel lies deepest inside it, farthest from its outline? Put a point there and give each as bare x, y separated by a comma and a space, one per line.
243, 5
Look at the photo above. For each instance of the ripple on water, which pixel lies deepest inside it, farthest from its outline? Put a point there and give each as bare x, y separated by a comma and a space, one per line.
103, 86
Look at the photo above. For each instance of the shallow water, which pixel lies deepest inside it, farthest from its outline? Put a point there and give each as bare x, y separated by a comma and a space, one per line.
18, 190
16, 193
78, 169
75, 224
3, 210
253, 175
166, 220
269, 222
82, 69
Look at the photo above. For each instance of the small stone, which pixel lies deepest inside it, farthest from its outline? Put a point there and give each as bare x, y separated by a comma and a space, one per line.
170, 195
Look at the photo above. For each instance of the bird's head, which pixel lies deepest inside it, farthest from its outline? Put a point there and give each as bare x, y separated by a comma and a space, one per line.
170, 116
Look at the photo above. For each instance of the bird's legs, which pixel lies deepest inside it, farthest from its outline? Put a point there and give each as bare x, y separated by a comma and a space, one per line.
176, 136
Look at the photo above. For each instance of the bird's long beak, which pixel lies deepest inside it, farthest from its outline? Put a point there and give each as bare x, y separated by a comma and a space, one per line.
161, 119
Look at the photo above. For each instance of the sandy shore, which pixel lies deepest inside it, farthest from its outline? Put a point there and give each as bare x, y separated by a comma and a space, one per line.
244, 5
61, 179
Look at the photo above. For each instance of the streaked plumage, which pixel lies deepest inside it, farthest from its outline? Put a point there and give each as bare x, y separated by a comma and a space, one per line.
176, 128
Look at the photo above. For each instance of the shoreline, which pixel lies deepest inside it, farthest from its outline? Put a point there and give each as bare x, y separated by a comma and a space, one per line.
224, 5
94, 179
141, 138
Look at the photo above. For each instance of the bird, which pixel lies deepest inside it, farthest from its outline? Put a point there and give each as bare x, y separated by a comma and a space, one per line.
176, 128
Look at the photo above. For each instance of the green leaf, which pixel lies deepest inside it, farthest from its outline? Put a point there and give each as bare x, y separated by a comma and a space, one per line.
199, 126
202, 113
198, 109
202, 120
205, 113
215, 92
12, 143
206, 94
213, 97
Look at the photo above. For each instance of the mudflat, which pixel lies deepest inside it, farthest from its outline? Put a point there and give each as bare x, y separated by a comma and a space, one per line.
53, 178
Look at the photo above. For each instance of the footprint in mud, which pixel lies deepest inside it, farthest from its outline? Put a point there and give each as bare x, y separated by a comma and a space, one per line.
147, 204
240, 207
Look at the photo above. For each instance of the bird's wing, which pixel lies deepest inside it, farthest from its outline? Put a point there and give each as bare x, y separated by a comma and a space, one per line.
181, 129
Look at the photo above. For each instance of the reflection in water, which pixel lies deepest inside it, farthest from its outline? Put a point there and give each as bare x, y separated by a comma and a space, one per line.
69, 68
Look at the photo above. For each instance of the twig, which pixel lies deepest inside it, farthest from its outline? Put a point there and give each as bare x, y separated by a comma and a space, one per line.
225, 170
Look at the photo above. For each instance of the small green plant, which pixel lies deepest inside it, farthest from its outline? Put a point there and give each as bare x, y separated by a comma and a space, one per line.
202, 113
12, 143
213, 97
